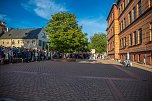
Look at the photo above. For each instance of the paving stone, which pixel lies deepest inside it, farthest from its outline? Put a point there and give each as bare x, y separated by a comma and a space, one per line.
57, 81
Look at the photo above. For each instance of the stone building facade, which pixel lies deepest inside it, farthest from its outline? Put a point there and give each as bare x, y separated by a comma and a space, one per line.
134, 31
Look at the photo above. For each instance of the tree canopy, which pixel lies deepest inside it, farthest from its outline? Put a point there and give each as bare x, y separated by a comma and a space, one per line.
64, 33
98, 42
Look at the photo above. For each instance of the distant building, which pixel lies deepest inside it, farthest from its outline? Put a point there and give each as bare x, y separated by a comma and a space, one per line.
34, 38
93, 51
130, 30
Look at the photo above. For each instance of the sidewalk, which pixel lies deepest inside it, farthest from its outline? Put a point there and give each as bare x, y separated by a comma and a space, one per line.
134, 64
143, 66
108, 62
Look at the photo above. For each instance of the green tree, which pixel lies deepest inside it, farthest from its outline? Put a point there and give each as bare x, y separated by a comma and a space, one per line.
65, 34
98, 42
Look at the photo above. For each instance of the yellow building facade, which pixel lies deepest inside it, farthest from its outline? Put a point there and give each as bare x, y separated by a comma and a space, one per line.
34, 38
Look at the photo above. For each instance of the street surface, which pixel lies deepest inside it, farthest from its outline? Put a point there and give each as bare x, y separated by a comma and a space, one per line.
74, 81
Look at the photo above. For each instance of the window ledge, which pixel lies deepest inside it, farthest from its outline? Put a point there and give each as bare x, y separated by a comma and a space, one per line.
122, 48
134, 45
111, 50
149, 42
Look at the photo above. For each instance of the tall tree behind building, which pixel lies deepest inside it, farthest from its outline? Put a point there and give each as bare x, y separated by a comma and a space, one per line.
65, 34
98, 42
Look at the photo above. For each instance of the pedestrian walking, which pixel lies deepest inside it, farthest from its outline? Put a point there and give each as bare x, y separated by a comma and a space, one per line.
36, 55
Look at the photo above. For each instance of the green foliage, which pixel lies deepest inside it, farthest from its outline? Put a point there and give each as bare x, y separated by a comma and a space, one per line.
98, 42
65, 34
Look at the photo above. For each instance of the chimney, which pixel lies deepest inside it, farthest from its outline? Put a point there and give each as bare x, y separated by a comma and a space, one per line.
3, 25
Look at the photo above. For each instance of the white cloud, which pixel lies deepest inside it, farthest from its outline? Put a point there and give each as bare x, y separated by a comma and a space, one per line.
43, 8
92, 26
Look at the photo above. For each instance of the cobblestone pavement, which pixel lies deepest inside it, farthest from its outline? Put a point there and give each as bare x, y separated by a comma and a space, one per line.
83, 81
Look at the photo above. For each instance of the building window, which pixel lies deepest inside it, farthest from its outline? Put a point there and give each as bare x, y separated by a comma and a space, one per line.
134, 13
120, 43
130, 17
128, 1
138, 57
124, 23
18, 41
112, 16
150, 3
120, 26
124, 3
119, 11
21, 42
27, 42
113, 30
150, 29
121, 8
124, 41
140, 36
112, 45
33, 41
40, 42
3, 42
13, 42
139, 8
130, 39
135, 40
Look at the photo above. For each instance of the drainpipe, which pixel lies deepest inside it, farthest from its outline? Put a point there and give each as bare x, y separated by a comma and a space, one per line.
145, 49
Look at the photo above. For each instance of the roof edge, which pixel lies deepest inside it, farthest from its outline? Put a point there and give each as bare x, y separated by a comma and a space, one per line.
114, 4
26, 28
118, 1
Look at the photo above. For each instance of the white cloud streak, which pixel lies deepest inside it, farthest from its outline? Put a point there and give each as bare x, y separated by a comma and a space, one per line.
92, 26
46, 8
43, 8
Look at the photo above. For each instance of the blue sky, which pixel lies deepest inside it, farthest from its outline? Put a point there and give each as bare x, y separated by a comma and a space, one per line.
91, 14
